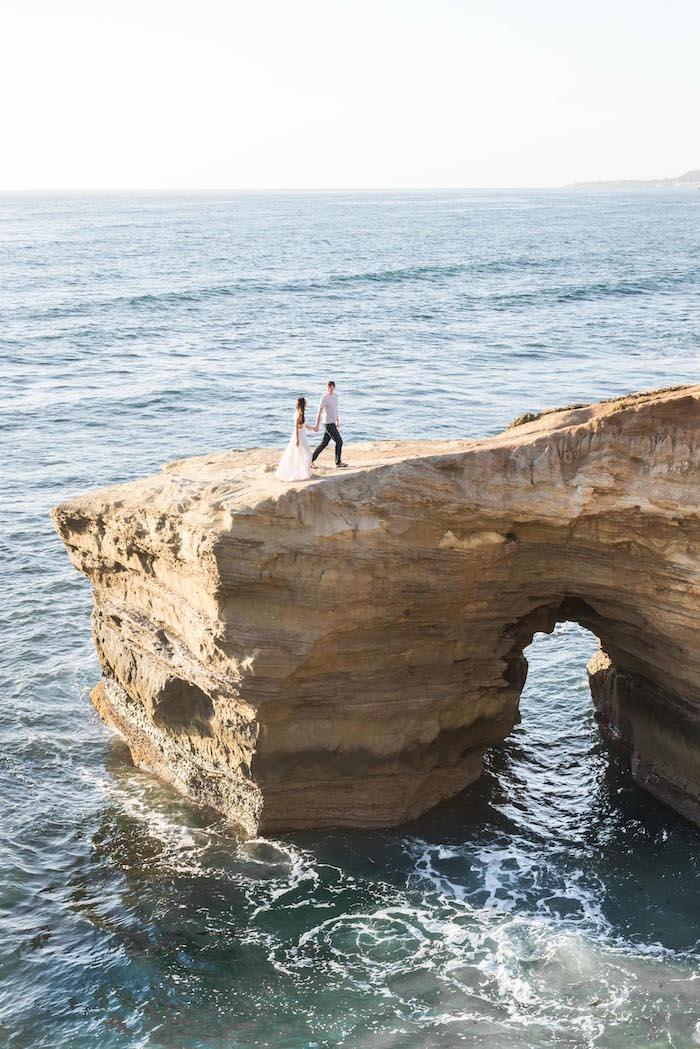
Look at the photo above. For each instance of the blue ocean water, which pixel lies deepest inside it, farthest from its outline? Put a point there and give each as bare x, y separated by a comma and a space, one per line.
554, 903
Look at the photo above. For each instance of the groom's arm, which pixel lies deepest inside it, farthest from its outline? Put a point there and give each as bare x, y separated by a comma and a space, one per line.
320, 409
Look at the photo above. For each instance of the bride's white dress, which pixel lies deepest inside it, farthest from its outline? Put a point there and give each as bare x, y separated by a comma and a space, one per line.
295, 464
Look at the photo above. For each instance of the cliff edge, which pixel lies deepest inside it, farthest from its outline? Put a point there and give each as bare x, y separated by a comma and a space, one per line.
342, 651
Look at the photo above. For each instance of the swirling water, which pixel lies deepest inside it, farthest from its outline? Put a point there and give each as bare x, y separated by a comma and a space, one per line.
552, 904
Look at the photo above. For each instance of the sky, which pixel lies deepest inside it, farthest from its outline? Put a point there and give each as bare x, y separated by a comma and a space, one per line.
334, 94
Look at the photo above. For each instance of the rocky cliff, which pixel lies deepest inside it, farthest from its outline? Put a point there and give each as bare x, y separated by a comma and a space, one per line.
342, 651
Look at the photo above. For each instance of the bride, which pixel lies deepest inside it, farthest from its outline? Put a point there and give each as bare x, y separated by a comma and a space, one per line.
295, 464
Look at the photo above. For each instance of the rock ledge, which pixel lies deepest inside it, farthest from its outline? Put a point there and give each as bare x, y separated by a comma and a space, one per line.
342, 651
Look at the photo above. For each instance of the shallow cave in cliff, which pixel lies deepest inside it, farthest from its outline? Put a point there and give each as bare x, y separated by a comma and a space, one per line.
180, 704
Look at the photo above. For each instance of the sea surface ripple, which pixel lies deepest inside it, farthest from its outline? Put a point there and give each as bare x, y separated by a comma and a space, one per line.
554, 903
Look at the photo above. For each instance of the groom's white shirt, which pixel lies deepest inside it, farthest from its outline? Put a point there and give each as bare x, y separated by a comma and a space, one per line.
329, 407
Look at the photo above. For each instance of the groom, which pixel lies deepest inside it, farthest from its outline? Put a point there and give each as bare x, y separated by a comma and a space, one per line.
329, 408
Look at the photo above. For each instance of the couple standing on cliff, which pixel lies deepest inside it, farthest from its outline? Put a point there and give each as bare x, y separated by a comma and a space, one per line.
297, 462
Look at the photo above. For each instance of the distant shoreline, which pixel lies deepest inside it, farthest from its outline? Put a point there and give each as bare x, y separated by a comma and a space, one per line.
689, 180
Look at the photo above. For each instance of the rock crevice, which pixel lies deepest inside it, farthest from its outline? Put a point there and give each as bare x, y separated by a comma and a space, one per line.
343, 651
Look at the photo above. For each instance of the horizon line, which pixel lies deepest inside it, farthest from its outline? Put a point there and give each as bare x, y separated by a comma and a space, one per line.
76, 190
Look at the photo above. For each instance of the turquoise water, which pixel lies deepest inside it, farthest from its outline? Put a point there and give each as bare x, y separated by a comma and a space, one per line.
554, 903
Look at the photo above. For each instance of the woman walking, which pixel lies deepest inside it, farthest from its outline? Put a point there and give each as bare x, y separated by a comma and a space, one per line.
295, 464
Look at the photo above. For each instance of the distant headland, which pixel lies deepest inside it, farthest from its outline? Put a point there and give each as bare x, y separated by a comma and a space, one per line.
689, 180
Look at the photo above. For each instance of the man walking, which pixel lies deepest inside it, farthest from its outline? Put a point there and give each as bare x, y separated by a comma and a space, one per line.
329, 409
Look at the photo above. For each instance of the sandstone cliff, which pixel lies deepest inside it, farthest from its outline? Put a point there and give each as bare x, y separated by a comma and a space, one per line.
342, 651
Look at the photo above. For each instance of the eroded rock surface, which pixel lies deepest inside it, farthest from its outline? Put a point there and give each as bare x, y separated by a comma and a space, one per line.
342, 651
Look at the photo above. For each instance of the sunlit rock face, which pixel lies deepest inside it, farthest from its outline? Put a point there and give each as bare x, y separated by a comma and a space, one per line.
342, 651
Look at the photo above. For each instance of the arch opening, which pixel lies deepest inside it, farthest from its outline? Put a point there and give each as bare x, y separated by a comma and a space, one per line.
635, 711
542, 620
554, 772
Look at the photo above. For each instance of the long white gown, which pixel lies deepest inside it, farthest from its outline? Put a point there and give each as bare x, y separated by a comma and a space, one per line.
295, 464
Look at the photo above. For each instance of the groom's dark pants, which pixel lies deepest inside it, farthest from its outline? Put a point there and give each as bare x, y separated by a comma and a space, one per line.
331, 432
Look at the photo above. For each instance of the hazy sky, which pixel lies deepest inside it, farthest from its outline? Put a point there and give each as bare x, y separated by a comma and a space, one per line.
345, 93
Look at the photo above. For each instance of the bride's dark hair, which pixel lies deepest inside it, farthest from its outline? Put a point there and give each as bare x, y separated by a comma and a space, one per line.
301, 405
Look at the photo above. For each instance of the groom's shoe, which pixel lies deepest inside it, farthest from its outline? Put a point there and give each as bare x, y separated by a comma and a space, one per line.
337, 465
314, 466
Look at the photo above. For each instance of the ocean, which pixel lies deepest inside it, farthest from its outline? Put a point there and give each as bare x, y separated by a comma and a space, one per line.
554, 903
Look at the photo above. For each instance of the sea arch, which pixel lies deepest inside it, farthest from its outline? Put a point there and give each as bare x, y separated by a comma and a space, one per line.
356, 642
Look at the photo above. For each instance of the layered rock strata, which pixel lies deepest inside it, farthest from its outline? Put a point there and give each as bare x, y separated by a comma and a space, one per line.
342, 651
